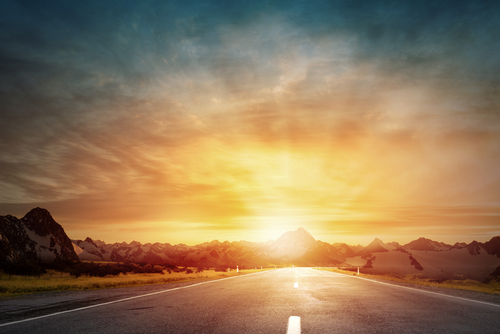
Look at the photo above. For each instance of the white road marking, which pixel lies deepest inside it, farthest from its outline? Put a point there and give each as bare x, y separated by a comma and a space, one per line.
295, 285
406, 287
125, 299
293, 325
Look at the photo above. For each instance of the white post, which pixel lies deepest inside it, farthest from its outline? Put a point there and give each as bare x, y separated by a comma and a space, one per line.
358, 270
237, 269
260, 267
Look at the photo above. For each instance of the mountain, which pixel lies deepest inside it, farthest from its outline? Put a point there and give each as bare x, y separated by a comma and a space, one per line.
87, 250
459, 245
356, 248
345, 250
36, 237
286, 248
291, 245
323, 254
297, 246
394, 244
492, 246
432, 259
423, 244
376, 246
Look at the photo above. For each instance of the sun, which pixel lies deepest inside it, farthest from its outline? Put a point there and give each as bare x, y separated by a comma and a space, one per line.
272, 227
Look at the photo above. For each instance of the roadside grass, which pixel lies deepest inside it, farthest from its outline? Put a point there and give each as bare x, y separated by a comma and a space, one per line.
463, 284
13, 285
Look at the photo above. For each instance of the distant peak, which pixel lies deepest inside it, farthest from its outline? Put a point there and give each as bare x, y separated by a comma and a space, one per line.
90, 241
378, 243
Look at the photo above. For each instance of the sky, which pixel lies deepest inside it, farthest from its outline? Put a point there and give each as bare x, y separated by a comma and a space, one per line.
189, 121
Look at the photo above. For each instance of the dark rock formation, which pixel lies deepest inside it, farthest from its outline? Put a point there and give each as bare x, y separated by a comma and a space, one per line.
36, 237
492, 246
415, 263
474, 248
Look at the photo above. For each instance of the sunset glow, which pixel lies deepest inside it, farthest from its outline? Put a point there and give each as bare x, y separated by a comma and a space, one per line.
163, 123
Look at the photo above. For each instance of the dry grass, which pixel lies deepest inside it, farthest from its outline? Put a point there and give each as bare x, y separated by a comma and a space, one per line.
57, 281
464, 284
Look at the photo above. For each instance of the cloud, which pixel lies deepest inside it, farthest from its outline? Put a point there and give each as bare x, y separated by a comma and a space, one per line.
215, 114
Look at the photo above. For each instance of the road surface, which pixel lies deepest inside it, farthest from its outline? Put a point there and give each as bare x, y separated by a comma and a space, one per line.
293, 300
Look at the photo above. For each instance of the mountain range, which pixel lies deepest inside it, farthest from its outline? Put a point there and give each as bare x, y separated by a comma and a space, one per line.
37, 237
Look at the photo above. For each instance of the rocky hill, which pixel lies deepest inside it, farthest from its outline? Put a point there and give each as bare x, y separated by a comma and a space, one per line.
36, 237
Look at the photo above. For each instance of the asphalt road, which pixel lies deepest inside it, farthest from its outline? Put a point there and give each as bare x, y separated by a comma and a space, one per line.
320, 302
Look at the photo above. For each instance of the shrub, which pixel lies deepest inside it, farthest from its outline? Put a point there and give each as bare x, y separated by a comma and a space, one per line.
94, 269
23, 269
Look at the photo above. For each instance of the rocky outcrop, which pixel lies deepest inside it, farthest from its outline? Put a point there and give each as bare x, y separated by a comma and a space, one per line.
415, 263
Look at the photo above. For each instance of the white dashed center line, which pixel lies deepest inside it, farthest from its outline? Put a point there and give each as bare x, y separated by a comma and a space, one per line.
293, 325
295, 285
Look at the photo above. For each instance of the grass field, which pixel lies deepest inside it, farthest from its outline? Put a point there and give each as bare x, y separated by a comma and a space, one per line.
57, 281
465, 284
